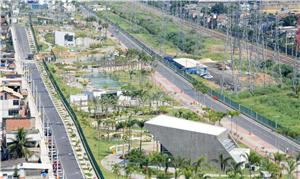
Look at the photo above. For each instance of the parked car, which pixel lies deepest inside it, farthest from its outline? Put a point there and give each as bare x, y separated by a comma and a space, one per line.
208, 76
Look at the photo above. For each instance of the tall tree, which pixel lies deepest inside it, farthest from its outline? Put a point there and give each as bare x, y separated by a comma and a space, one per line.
177, 163
235, 170
232, 115
253, 159
223, 162
290, 167
19, 146
141, 124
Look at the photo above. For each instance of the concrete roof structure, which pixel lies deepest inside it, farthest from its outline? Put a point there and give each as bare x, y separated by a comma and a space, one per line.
191, 139
182, 124
189, 63
11, 91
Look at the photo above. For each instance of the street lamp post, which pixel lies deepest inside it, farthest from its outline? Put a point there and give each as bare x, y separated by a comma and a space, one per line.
276, 137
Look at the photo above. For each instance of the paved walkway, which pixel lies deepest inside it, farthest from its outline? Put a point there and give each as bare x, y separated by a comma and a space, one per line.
176, 93
244, 136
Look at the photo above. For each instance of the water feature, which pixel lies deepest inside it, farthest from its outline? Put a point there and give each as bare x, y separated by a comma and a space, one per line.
101, 80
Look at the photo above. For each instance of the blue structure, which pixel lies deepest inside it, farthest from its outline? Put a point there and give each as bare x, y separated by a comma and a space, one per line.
188, 65
37, 6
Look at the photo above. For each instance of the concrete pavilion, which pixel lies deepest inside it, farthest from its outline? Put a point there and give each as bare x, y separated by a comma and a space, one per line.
190, 139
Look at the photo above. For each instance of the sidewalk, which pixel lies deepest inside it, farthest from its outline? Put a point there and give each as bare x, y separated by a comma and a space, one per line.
244, 136
176, 93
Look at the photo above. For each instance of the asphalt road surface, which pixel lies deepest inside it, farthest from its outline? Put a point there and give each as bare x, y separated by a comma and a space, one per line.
257, 129
266, 134
65, 153
22, 40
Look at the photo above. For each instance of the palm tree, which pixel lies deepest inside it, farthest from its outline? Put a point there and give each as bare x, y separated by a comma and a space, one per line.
235, 169
149, 172
199, 164
232, 115
271, 167
223, 162
116, 170
177, 162
105, 26
122, 125
19, 146
290, 167
156, 159
278, 157
129, 124
141, 124
215, 116
187, 172
253, 159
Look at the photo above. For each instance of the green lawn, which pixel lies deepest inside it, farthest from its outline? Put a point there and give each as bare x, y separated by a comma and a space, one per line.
100, 148
275, 103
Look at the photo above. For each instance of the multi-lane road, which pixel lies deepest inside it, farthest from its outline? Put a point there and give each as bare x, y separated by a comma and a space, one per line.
65, 153
266, 134
20, 36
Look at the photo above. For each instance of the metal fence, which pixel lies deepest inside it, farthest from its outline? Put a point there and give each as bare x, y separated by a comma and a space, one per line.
33, 33
216, 95
76, 122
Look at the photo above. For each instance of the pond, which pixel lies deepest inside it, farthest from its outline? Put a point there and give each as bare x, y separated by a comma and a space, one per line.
100, 80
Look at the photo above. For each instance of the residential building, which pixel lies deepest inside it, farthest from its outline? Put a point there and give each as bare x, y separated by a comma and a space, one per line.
10, 102
65, 39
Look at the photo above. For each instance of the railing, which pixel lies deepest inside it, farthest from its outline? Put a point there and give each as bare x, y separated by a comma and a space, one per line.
76, 122
216, 95
33, 34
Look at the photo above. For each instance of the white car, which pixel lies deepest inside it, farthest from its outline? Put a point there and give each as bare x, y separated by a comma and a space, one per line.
207, 76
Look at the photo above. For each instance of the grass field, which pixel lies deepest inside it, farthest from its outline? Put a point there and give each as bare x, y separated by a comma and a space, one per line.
275, 103
100, 148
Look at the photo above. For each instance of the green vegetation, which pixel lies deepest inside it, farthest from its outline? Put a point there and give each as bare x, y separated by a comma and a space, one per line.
271, 104
19, 146
150, 30
57, 70
49, 37
276, 104
99, 147
43, 46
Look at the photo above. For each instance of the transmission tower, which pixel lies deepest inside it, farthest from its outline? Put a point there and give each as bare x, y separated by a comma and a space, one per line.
277, 58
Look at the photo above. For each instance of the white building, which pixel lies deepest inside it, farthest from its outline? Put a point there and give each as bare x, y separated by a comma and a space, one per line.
101, 93
10, 102
190, 139
65, 39
191, 66
79, 99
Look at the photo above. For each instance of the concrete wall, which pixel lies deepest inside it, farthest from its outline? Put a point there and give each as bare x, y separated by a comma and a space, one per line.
187, 144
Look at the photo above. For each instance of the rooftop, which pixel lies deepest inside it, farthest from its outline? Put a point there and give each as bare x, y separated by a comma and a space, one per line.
183, 124
15, 124
189, 63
